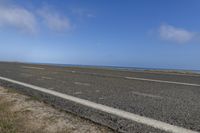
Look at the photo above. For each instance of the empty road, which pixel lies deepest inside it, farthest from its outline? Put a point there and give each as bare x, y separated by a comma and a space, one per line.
149, 101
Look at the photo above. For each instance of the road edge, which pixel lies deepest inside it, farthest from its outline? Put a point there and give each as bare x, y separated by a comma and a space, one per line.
118, 121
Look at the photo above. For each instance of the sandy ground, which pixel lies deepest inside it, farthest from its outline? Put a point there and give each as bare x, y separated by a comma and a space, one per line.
31, 116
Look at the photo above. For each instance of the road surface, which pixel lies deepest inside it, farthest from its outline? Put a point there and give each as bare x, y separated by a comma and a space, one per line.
149, 101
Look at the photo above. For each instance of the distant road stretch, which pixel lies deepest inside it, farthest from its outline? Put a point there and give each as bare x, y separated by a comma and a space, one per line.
135, 101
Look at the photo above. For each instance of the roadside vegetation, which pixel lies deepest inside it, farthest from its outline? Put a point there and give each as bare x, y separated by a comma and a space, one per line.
16, 121
9, 121
23, 114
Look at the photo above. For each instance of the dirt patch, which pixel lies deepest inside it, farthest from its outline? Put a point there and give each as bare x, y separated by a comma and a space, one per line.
23, 114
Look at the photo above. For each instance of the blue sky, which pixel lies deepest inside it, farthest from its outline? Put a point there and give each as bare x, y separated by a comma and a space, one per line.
134, 33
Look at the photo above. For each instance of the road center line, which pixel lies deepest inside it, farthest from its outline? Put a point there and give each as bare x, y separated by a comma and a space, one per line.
27, 67
43, 77
26, 74
84, 84
117, 112
146, 95
144, 79
163, 81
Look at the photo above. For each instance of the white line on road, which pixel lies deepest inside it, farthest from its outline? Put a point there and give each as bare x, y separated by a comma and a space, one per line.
26, 74
78, 93
27, 67
172, 73
84, 84
163, 81
146, 95
49, 78
117, 112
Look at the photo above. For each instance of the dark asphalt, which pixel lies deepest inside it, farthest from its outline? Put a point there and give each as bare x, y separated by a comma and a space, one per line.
171, 103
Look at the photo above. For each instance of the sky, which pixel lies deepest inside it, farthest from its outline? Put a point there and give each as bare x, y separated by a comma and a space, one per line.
131, 33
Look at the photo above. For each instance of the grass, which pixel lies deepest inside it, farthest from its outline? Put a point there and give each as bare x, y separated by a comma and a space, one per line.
9, 121
16, 121
22, 114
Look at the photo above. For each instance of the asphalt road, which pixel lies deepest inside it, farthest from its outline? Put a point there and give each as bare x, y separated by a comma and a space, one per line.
168, 97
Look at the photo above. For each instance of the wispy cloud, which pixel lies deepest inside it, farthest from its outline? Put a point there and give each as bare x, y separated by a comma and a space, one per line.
13, 16
178, 35
54, 20
82, 13
17, 17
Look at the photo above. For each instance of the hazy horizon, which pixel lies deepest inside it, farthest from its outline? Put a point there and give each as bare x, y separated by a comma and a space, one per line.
106, 66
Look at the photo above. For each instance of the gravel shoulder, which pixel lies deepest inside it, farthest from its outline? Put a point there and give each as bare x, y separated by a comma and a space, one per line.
23, 114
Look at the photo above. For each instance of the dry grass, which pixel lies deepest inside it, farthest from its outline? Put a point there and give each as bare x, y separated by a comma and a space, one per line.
9, 122
15, 121
22, 114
